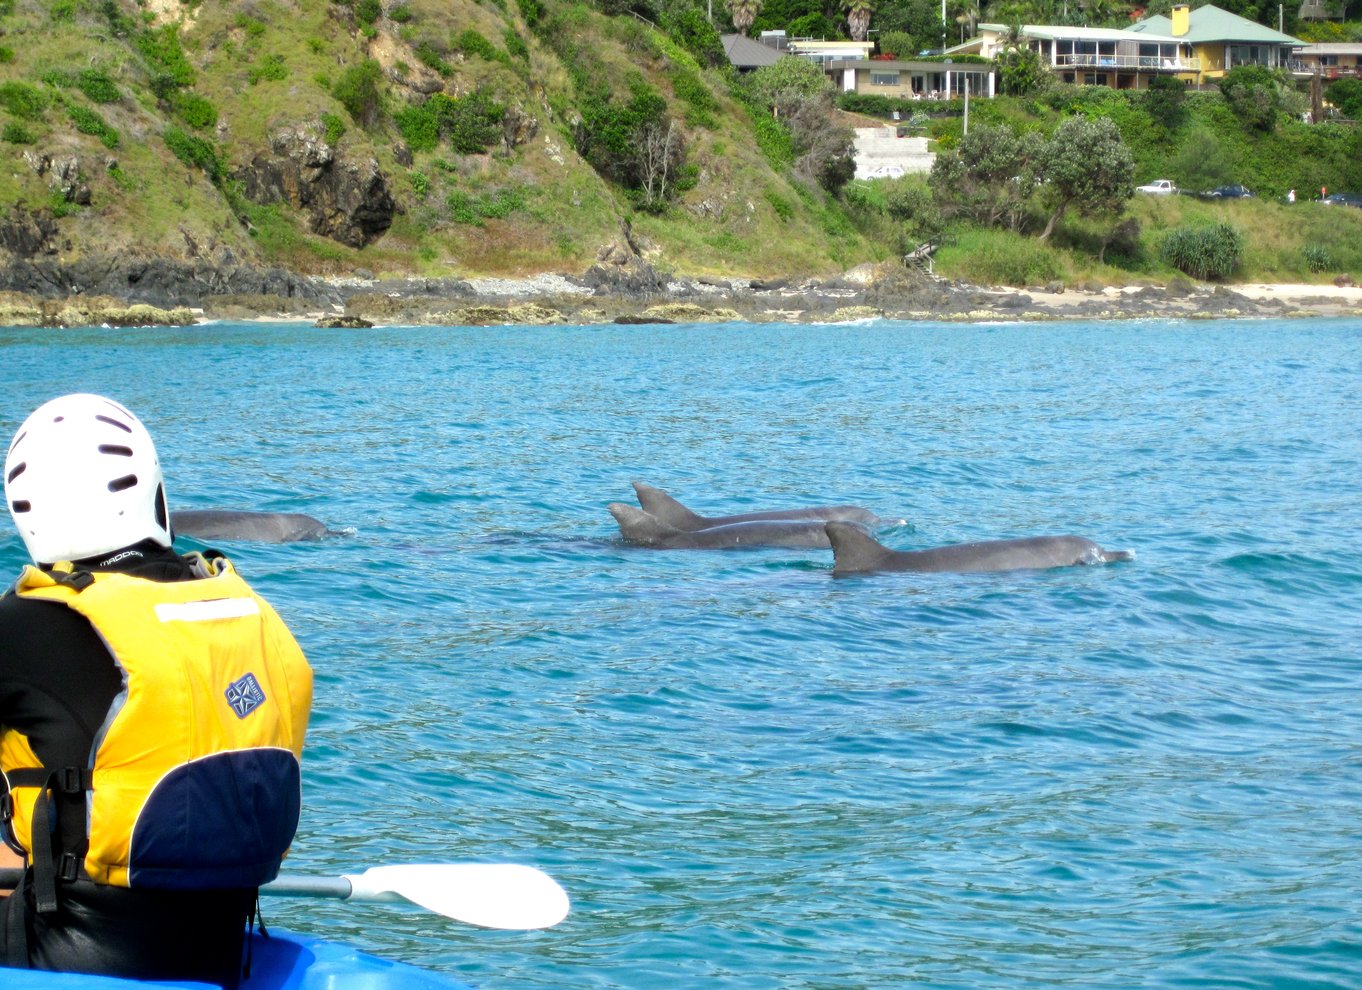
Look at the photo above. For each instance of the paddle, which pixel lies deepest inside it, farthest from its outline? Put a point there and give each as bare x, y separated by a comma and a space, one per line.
490, 895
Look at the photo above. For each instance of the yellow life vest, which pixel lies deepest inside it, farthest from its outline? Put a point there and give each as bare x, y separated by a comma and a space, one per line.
194, 778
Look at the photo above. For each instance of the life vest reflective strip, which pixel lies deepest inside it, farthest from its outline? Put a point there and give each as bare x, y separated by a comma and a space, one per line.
195, 771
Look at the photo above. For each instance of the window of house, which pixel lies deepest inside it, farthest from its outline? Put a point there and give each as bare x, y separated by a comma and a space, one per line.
884, 78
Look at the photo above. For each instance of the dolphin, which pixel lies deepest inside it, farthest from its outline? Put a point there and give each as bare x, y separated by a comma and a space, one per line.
669, 511
638, 526
854, 551
237, 524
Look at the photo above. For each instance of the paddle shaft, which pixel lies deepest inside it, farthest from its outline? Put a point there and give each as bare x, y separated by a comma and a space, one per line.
337, 888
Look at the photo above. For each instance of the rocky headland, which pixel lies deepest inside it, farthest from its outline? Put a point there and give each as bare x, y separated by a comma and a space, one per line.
40, 287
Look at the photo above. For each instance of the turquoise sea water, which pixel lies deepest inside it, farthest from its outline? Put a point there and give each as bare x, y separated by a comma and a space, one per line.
749, 774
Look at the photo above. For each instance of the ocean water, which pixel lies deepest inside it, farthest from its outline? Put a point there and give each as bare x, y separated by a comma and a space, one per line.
747, 773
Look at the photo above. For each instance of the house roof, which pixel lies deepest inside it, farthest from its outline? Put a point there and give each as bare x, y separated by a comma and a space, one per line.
1054, 32
744, 53
1333, 48
1210, 24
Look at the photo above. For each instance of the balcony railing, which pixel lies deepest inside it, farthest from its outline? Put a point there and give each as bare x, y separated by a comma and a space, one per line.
1150, 63
1300, 68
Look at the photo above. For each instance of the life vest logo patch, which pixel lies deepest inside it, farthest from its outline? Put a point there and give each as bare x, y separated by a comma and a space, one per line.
245, 695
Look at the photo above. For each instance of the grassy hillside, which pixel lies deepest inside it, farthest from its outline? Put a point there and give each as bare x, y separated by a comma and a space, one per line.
162, 102
497, 126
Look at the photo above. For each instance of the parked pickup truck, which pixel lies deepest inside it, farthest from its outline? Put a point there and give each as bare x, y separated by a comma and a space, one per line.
1159, 187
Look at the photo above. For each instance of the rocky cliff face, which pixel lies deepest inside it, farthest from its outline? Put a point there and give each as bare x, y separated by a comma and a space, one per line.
348, 201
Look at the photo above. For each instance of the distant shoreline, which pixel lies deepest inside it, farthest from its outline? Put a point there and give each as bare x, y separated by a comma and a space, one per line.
634, 293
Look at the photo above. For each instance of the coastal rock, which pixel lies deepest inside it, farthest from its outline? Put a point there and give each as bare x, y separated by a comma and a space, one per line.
20, 310
25, 234
343, 323
690, 313
347, 201
160, 282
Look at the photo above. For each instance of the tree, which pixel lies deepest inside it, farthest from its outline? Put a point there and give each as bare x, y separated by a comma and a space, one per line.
1021, 71
826, 149
1254, 93
743, 12
1164, 101
1086, 166
1346, 94
786, 80
990, 177
858, 18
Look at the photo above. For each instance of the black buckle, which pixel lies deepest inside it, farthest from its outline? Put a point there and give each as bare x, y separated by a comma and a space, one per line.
6, 808
69, 780
68, 867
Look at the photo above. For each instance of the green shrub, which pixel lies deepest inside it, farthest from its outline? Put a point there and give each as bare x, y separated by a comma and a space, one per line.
471, 43
6, 54
1000, 257
357, 91
1210, 253
161, 49
473, 122
473, 210
783, 207
271, 68
89, 122
419, 127
432, 58
195, 153
696, 95
1317, 258
400, 14
98, 86
16, 133
23, 101
195, 111
515, 45
335, 128
368, 11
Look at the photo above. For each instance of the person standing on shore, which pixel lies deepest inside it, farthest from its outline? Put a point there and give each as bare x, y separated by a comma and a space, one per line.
152, 714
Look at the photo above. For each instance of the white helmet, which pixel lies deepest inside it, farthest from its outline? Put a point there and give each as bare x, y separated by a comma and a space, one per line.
82, 478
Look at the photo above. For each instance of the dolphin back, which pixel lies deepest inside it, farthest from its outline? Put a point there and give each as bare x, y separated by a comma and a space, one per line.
263, 527
856, 552
671, 512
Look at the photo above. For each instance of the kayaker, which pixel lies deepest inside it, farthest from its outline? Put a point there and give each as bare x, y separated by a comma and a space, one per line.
185, 685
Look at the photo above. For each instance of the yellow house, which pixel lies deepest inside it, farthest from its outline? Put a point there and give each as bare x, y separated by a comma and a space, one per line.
1221, 40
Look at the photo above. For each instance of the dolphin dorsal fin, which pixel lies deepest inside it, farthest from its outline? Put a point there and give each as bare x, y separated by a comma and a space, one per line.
640, 526
853, 549
666, 509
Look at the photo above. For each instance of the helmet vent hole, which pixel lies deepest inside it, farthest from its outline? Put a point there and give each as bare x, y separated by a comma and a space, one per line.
20, 505
114, 448
123, 484
17, 470
113, 422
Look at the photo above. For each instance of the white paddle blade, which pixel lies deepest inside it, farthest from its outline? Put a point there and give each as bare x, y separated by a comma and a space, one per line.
490, 895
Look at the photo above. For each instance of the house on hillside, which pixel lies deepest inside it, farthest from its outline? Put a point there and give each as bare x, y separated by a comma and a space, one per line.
1194, 46
1117, 57
1331, 60
1221, 40
911, 80
747, 55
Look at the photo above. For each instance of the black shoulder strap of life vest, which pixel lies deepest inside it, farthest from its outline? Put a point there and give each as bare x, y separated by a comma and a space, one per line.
52, 784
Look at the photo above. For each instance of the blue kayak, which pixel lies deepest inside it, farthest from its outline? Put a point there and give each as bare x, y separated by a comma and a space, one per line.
283, 961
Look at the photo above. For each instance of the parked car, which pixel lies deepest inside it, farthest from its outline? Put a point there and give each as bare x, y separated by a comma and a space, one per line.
1343, 199
1226, 192
1159, 187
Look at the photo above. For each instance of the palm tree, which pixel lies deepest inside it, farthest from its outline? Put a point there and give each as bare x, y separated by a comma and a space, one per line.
744, 12
858, 18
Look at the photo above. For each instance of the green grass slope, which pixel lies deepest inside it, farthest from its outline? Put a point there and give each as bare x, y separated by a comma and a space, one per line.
129, 120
